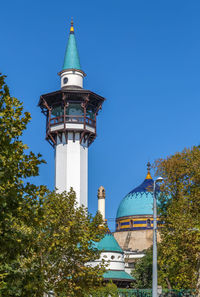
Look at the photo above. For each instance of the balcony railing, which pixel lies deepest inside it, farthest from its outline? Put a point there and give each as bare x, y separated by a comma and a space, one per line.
72, 119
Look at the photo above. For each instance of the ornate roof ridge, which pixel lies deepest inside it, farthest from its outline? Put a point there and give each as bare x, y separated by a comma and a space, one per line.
145, 186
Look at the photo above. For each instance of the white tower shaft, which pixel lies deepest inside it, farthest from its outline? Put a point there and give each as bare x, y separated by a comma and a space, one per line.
101, 201
101, 207
71, 167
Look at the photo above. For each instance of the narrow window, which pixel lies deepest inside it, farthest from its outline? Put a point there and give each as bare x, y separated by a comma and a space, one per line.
131, 224
148, 223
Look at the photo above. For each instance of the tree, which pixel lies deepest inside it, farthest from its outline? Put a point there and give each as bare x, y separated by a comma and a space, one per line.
143, 271
179, 257
45, 239
64, 246
19, 200
108, 290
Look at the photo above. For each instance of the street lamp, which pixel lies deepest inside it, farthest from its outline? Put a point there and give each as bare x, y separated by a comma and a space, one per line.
155, 272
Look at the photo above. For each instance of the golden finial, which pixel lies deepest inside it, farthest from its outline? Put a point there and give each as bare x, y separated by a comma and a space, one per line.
148, 171
72, 26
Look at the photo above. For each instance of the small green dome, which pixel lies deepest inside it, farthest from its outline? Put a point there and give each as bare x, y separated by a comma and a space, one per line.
108, 243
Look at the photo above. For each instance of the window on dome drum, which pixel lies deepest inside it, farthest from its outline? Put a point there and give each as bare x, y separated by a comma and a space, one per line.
131, 224
112, 257
65, 80
148, 223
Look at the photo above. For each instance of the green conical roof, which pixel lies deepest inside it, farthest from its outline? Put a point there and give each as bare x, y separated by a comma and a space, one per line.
71, 60
109, 244
117, 274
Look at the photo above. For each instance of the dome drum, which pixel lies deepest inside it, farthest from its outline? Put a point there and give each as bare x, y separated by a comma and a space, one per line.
134, 223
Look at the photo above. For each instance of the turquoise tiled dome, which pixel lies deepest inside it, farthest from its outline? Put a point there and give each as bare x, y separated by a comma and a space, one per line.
139, 201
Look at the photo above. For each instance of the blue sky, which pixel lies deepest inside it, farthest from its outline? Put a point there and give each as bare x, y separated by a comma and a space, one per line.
143, 56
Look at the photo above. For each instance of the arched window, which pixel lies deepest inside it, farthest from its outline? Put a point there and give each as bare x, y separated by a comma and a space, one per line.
148, 223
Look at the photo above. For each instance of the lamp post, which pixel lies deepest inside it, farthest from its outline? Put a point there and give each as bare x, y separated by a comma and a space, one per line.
155, 272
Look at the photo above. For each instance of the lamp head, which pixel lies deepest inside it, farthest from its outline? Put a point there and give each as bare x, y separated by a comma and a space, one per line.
159, 179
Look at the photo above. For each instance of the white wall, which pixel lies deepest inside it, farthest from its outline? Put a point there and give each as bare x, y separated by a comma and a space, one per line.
74, 78
71, 167
101, 207
73, 126
116, 263
84, 174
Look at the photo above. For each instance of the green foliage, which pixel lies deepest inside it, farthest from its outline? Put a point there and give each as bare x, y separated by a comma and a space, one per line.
179, 209
143, 271
45, 239
64, 241
19, 200
109, 290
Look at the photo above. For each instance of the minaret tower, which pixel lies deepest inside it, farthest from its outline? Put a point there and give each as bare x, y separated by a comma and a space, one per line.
101, 201
71, 114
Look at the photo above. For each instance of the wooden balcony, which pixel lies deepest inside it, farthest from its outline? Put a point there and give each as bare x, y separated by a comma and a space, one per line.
72, 119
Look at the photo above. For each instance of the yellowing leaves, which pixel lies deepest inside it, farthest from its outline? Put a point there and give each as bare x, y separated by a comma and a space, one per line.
180, 210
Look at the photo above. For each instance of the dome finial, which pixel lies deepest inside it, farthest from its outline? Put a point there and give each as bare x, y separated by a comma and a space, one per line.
148, 171
72, 26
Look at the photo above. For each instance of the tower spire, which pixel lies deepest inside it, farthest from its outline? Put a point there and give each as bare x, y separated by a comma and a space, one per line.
148, 171
71, 74
71, 60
